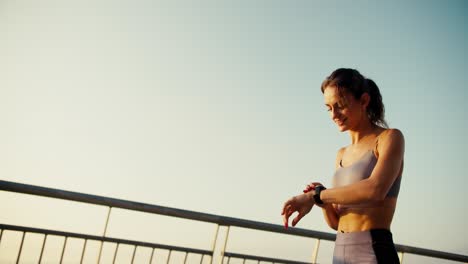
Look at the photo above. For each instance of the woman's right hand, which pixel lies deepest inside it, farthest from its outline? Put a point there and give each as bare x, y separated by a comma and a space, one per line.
301, 203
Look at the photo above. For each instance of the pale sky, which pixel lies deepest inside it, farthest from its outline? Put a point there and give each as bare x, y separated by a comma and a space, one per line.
215, 106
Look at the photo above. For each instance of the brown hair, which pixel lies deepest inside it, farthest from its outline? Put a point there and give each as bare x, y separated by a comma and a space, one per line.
352, 82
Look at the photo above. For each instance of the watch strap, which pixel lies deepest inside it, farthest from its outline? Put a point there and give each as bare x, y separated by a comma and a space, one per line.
318, 190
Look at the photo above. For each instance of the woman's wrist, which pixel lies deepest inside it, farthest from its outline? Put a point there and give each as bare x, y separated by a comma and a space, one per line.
310, 196
313, 192
317, 192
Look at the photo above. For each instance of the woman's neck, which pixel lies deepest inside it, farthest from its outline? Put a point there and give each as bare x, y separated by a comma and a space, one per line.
358, 135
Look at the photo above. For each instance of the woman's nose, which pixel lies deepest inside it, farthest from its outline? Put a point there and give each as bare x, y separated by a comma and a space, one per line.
334, 113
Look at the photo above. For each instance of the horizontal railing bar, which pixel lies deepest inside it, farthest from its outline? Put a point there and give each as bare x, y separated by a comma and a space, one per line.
104, 239
156, 209
431, 253
260, 258
198, 216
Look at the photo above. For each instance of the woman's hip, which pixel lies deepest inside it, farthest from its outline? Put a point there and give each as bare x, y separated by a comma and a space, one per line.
373, 246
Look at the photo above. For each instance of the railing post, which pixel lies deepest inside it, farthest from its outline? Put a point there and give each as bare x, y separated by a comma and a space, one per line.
63, 249
21, 248
42, 249
315, 253
223, 249
134, 253
84, 251
214, 243
169, 256
104, 234
115, 253
151, 257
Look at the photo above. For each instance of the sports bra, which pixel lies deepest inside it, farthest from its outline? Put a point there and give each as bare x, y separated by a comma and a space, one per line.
360, 170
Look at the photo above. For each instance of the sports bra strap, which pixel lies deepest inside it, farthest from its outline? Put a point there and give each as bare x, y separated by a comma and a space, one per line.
377, 143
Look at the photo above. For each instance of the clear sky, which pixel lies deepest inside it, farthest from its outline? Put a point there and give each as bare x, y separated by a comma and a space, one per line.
215, 106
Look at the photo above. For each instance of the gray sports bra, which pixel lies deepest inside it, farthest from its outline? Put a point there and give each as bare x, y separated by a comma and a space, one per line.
360, 170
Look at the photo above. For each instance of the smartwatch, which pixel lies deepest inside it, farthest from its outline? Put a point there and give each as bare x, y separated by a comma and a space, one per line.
318, 190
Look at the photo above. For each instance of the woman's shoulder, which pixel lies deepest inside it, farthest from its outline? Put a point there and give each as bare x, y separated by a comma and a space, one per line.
341, 151
390, 138
391, 134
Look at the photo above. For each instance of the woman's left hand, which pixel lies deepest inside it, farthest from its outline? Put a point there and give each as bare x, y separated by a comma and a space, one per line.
302, 204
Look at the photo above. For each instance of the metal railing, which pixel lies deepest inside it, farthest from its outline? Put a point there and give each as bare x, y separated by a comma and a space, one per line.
220, 221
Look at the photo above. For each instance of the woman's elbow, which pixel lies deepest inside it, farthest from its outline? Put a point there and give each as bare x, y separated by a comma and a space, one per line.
333, 226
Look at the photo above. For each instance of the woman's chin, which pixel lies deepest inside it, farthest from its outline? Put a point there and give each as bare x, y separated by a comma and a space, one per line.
342, 128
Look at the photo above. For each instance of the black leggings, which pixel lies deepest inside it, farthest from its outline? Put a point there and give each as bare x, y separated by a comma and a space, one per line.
367, 247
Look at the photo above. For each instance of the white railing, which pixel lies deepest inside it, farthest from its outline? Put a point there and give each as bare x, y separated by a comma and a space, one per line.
204, 255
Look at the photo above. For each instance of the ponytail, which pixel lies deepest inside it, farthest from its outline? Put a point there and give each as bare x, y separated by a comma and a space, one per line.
376, 108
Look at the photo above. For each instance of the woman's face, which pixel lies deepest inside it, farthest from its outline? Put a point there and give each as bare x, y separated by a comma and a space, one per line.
345, 110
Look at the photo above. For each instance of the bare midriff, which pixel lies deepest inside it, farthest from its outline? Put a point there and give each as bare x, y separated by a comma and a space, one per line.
367, 218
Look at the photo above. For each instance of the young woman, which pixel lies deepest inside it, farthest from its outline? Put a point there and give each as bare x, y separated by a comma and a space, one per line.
361, 202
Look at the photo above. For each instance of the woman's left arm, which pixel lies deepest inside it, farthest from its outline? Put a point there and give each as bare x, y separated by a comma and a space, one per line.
391, 148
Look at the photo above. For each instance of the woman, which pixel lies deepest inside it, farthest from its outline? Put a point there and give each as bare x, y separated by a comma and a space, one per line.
366, 183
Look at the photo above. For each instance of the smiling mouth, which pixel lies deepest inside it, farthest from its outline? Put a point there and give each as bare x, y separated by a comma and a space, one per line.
340, 122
